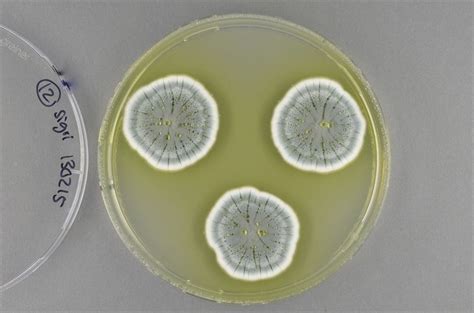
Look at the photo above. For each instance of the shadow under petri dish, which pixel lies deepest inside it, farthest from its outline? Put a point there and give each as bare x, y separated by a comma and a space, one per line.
247, 63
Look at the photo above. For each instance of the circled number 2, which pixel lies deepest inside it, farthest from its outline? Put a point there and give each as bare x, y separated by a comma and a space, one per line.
48, 92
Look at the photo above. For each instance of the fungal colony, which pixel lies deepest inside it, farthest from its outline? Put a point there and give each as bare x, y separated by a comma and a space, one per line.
253, 233
317, 126
172, 122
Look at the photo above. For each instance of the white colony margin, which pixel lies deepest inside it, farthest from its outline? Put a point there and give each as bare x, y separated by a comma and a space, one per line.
214, 122
213, 242
277, 117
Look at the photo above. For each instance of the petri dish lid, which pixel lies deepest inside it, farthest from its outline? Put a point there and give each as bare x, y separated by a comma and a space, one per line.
43, 158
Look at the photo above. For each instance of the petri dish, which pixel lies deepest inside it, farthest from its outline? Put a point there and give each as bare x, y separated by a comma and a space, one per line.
247, 63
43, 158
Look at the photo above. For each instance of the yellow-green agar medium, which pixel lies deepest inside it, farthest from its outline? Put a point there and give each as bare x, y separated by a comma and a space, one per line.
248, 63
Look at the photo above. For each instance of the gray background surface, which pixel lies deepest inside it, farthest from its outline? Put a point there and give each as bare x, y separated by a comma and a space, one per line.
418, 58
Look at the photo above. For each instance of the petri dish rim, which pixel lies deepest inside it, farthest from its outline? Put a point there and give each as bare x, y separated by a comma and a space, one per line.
110, 192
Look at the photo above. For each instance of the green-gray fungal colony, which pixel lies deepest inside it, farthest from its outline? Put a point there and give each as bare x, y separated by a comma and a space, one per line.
172, 122
317, 126
253, 233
